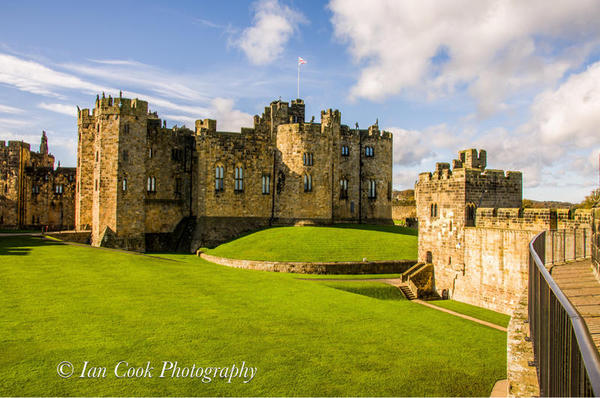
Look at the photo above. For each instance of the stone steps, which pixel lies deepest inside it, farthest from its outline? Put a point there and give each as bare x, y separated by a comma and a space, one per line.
407, 292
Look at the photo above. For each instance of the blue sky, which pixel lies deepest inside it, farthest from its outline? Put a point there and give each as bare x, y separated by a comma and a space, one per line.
519, 79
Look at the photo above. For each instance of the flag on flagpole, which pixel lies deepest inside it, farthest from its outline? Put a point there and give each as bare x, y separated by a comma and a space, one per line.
301, 61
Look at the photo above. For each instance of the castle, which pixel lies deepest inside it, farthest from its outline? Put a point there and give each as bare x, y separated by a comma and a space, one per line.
475, 233
33, 194
142, 186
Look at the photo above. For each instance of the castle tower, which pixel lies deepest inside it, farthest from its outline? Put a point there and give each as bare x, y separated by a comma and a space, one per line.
119, 178
86, 127
447, 202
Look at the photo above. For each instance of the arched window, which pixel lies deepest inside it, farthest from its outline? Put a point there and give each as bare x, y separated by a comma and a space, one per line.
219, 178
470, 210
369, 151
372, 185
239, 178
434, 210
343, 188
345, 150
307, 183
151, 186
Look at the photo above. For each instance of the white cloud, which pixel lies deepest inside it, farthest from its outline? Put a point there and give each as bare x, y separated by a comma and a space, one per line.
409, 148
12, 123
38, 79
570, 115
493, 48
59, 108
10, 109
273, 26
221, 109
558, 146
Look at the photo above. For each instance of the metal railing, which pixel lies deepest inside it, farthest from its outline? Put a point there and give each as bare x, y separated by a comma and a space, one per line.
566, 358
564, 245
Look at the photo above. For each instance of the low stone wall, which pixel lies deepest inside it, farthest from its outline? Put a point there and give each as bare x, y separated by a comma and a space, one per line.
404, 212
72, 236
367, 267
522, 378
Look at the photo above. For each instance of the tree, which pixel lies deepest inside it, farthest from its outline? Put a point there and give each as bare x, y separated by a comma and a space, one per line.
592, 200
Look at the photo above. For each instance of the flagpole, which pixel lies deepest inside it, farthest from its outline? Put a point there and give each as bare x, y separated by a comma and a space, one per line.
298, 80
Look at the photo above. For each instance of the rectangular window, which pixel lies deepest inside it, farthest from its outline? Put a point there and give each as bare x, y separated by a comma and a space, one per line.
239, 179
307, 159
219, 178
343, 189
151, 186
372, 189
35, 189
345, 150
124, 184
59, 189
266, 184
150, 153
307, 183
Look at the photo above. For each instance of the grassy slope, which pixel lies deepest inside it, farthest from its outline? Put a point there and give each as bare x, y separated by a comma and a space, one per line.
80, 304
476, 312
346, 242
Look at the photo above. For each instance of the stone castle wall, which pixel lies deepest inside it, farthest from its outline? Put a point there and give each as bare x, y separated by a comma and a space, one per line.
130, 144
474, 231
33, 194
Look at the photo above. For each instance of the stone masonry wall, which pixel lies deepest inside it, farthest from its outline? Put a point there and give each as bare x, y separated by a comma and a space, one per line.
129, 147
32, 193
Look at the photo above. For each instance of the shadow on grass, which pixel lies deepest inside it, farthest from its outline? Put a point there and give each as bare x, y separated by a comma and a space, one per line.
21, 245
376, 290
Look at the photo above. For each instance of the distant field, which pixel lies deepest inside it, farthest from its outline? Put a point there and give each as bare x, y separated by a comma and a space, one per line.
75, 303
476, 312
345, 242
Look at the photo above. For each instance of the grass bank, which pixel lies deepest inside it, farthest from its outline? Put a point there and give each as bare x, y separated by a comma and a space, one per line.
344, 242
72, 303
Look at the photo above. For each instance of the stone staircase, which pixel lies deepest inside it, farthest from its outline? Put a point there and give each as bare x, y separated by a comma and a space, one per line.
408, 293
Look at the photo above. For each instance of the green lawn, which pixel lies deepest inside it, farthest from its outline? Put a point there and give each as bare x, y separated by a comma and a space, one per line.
344, 242
476, 312
73, 303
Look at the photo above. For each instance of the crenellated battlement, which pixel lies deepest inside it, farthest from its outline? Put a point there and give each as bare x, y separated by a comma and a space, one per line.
467, 172
114, 106
330, 117
516, 218
469, 158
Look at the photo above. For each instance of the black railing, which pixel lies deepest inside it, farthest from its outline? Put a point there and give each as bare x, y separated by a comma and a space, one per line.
566, 358
595, 243
564, 245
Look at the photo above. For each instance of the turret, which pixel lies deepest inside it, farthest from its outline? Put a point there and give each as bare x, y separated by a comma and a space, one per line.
44, 144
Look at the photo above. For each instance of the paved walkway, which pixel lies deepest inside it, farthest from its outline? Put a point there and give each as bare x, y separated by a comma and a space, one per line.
578, 282
397, 282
